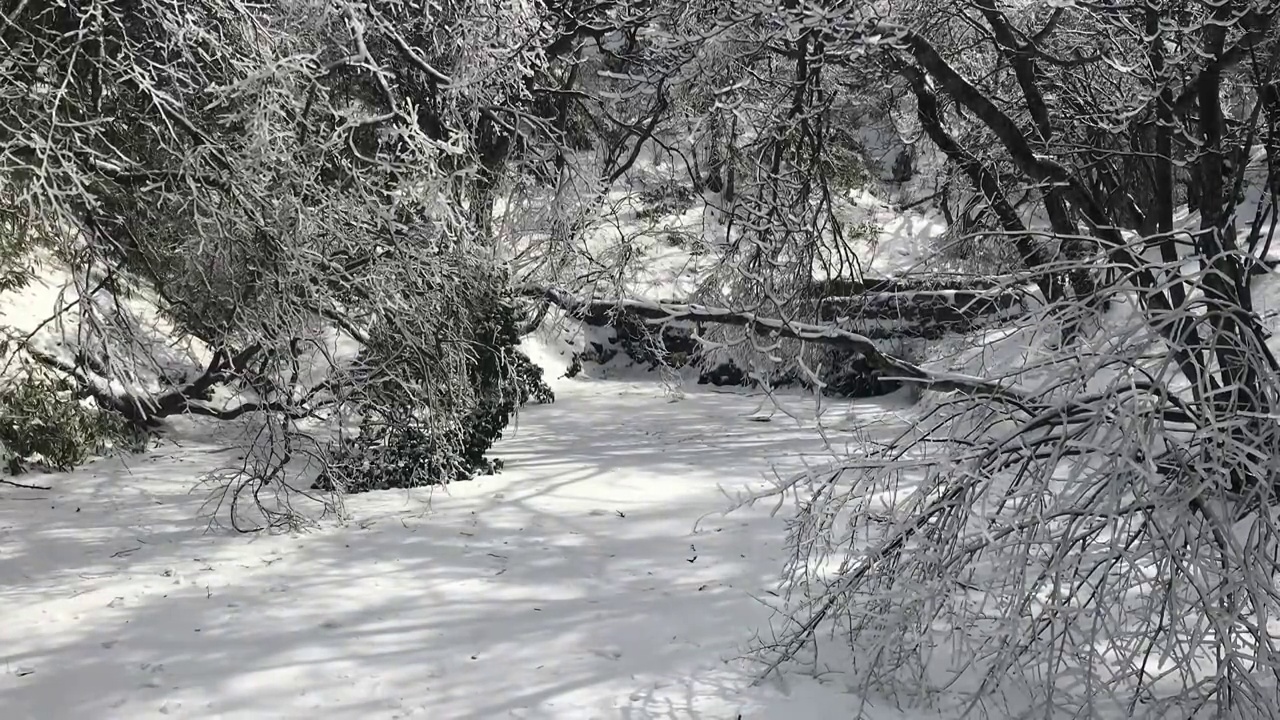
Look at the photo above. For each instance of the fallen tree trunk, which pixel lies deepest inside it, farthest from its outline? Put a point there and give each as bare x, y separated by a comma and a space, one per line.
656, 313
884, 309
925, 313
930, 283
880, 315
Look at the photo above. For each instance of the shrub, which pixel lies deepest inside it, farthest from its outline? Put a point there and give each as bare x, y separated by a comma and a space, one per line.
42, 423
667, 198
406, 445
17, 241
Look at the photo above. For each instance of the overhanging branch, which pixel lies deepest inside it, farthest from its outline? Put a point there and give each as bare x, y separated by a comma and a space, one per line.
190, 399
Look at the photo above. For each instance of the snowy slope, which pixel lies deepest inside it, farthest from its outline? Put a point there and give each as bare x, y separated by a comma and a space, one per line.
631, 246
50, 314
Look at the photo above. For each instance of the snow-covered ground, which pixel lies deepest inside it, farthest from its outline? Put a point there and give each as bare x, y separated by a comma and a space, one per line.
597, 577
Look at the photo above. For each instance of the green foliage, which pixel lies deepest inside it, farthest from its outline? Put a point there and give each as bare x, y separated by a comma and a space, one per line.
411, 443
844, 163
42, 423
505, 380
667, 198
17, 241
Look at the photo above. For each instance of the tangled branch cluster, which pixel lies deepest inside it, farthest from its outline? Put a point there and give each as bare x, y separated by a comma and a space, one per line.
283, 181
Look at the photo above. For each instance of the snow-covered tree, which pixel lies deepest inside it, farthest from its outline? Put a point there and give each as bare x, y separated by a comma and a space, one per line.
1100, 536
273, 176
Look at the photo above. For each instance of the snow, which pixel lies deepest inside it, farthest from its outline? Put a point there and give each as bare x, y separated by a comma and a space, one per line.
49, 311
621, 252
904, 242
599, 576
596, 577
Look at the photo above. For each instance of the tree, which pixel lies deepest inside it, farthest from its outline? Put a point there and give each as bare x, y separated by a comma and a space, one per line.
1107, 536
275, 176
280, 175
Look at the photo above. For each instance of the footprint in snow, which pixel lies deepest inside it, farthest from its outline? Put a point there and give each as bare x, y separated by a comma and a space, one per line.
154, 671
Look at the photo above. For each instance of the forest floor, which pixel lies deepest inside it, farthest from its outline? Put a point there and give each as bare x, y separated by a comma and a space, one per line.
597, 576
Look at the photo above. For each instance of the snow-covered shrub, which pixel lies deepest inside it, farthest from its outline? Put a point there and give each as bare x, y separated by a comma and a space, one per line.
42, 423
844, 163
16, 243
665, 198
409, 439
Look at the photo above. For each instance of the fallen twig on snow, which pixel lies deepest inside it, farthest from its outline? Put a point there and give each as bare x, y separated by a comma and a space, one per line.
24, 486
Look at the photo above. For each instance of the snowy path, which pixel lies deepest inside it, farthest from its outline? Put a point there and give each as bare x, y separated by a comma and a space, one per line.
573, 585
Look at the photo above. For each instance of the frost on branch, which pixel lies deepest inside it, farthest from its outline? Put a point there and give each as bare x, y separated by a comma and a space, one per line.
290, 187
1107, 543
